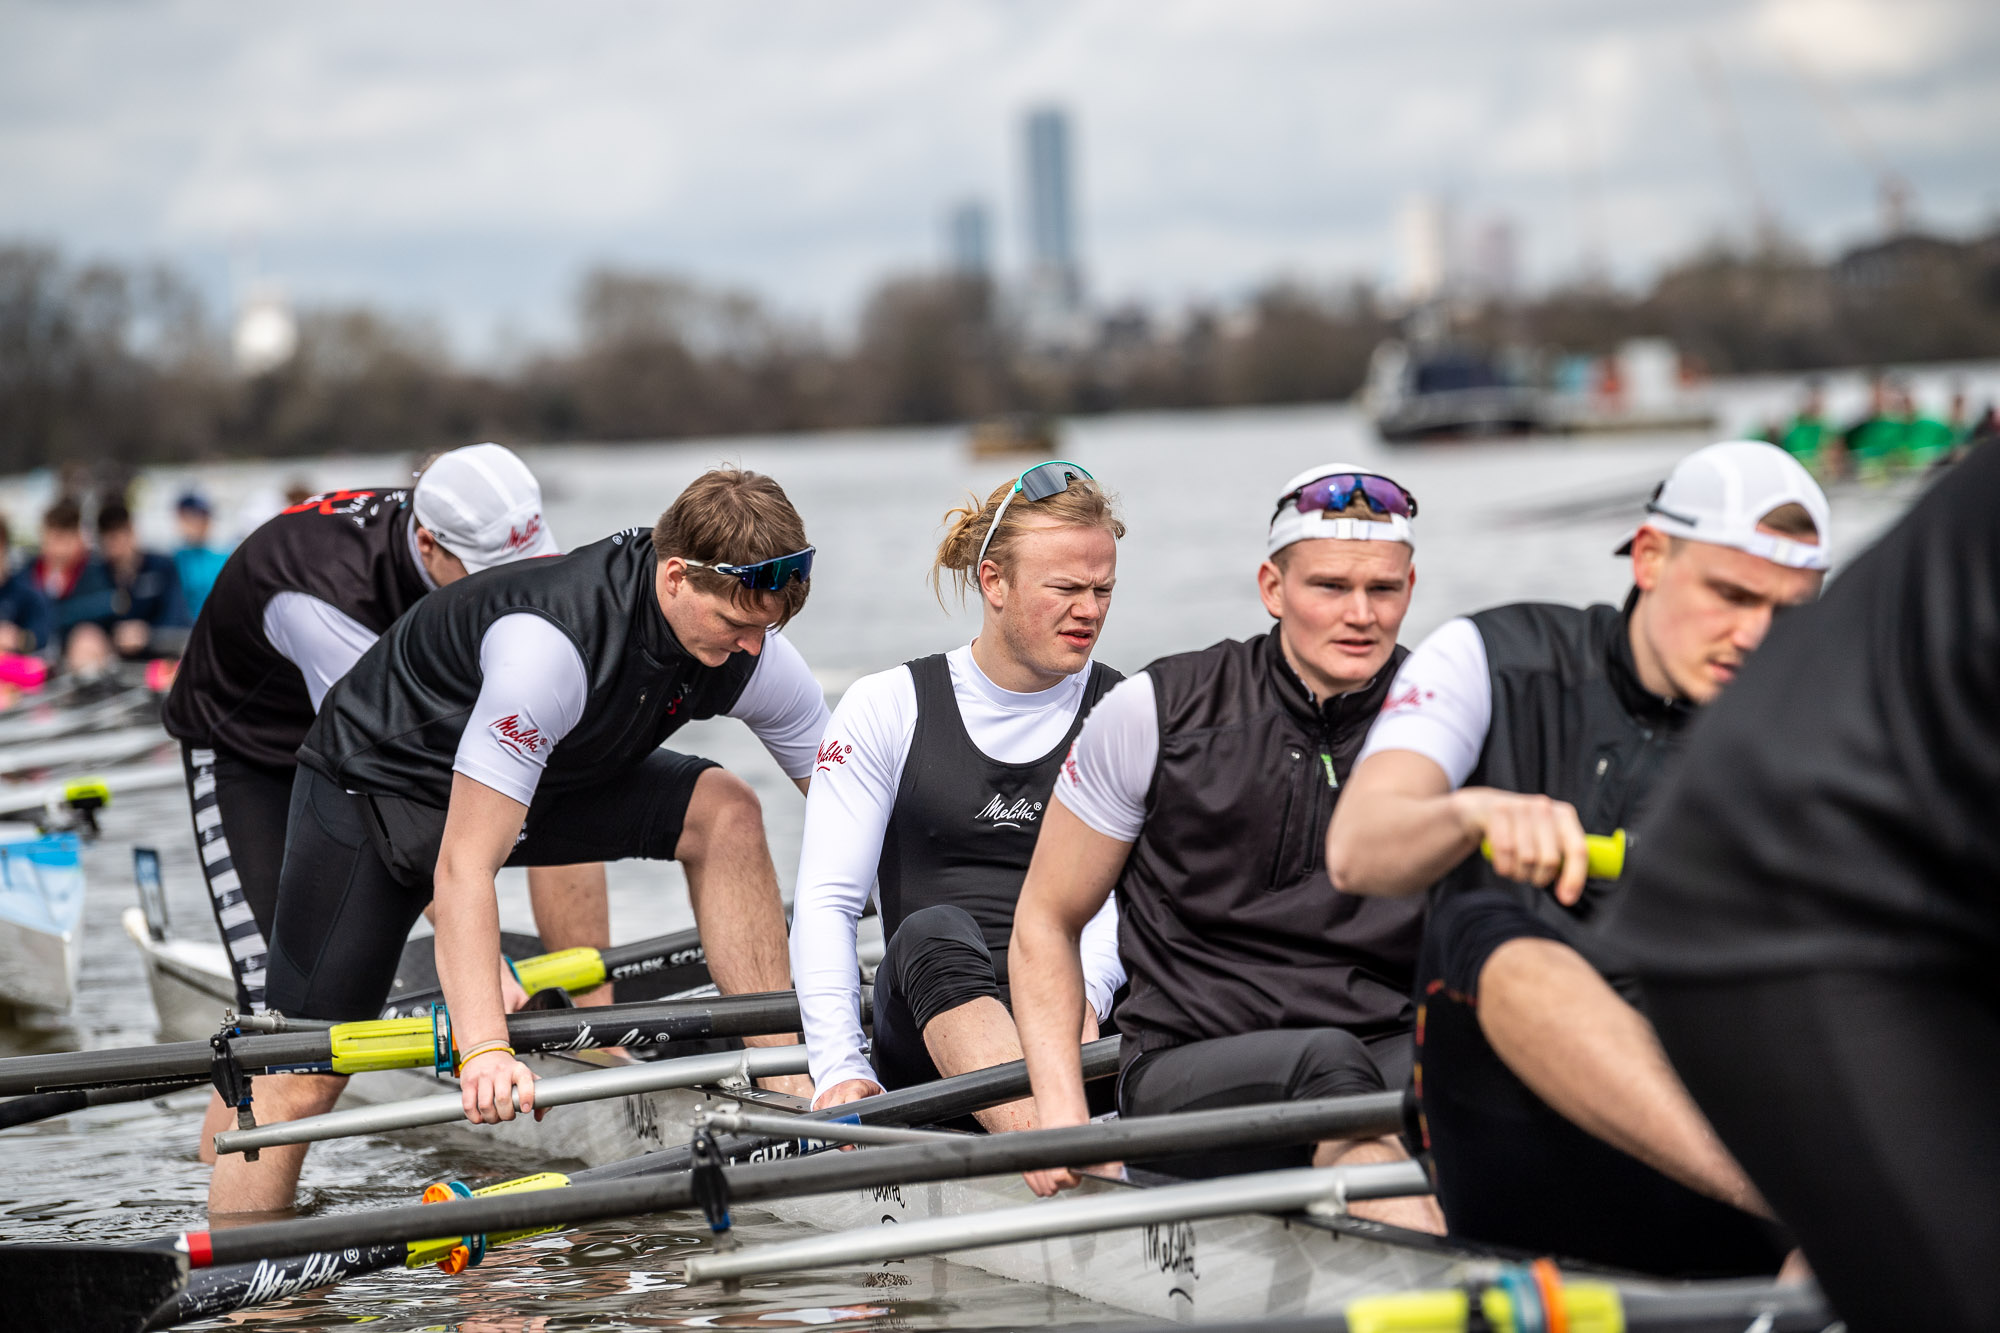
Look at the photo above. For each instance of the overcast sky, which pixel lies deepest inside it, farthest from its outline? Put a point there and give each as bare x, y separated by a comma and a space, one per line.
470, 160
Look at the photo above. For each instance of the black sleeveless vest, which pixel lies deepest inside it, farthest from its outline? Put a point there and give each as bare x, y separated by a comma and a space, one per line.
964, 825
234, 691
391, 726
1571, 721
1227, 921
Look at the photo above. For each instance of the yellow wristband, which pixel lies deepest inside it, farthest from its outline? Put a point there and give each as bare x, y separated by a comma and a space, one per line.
483, 1048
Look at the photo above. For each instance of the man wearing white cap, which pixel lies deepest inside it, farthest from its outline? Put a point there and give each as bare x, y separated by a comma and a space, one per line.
1554, 1122
1199, 790
296, 603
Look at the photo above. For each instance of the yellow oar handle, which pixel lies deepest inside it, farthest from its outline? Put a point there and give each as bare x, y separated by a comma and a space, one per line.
1592, 1307
451, 1253
1606, 850
575, 970
383, 1043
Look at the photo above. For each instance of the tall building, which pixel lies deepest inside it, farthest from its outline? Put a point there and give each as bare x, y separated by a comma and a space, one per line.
1426, 236
1054, 274
968, 240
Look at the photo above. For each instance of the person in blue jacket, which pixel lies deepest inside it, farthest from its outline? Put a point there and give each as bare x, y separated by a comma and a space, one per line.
127, 602
197, 559
27, 623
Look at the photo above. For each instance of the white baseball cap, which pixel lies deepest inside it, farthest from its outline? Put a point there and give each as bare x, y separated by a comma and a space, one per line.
484, 506
1292, 524
1720, 494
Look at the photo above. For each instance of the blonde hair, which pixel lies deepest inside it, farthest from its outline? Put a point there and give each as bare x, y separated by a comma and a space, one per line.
1083, 505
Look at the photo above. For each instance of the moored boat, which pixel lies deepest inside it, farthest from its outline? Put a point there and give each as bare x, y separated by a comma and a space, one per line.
41, 921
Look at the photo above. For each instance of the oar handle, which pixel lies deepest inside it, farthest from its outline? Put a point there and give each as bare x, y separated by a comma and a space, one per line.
1606, 853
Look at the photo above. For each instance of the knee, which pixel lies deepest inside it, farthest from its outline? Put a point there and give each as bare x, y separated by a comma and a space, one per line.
1333, 1063
935, 932
724, 812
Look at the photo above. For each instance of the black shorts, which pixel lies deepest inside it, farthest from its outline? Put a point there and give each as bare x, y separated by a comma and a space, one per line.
1283, 1065
356, 879
1510, 1169
937, 960
239, 813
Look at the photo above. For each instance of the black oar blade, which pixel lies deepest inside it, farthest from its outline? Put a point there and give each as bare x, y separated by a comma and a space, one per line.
87, 1288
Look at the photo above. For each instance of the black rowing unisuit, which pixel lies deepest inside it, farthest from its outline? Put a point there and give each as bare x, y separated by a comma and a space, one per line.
964, 825
236, 693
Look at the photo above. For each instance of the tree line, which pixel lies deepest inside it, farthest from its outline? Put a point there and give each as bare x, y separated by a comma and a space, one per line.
124, 364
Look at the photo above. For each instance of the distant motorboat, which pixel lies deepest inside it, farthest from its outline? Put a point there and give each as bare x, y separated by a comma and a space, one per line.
1448, 393
1016, 433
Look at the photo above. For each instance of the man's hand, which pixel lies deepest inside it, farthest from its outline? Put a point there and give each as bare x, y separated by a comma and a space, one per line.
845, 1091
488, 1083
1057, 1179
1534, 839
512, 996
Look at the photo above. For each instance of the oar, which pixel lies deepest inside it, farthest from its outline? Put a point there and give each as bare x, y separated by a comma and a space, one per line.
213, 1291
1302, 1189
959, 1157
43, 1105
752, 1062
665, 964
406, 1043
1606, 853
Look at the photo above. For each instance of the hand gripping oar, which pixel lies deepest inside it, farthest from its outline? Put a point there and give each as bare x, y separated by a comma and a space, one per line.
1606, 853
407, 1043
213, 1291
752, 1062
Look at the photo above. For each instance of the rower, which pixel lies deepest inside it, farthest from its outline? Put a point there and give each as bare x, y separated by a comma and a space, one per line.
304, 596
932, 782
1200, 790
1812, 919
516, 718
1554, 1123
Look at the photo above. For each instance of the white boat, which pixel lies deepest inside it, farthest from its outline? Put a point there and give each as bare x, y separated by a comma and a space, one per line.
41, 921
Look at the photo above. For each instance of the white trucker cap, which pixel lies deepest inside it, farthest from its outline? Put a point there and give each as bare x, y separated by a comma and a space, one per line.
484, 506
1720, 494
1289, 525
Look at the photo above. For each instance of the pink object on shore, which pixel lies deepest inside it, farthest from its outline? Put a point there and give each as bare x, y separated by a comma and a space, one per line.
23, 672
160, 674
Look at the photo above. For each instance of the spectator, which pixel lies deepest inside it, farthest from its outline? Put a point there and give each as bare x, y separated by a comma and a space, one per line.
27, 624
197, 561
127, 603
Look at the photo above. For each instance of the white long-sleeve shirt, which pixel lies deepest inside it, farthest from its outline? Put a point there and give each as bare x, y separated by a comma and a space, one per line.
847, 814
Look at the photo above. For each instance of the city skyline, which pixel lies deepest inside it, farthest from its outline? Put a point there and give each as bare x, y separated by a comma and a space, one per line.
470, 163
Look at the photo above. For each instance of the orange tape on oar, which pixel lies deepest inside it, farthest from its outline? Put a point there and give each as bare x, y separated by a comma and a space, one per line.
455, 1254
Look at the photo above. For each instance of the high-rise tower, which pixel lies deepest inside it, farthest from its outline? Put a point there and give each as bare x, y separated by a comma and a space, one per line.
1054, 276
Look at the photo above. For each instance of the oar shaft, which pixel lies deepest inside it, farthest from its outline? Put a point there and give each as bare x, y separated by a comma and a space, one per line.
821, 1131
957, 1158
1265, 1192
751, 1062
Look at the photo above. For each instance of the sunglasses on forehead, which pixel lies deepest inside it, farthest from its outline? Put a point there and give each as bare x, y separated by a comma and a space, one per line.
1038, 483
1334, 493
766, 575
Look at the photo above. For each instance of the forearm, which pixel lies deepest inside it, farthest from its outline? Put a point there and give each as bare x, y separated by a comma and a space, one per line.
829, 986
1595, 1059
1046, 975
1391, 843
467, 915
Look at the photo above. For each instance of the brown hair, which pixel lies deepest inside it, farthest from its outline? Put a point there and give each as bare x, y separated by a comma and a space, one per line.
730, 515
1790, 520
1083, 505
65, 515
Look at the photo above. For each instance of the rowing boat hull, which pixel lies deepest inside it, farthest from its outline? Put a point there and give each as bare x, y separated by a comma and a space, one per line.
41, 921
190, 980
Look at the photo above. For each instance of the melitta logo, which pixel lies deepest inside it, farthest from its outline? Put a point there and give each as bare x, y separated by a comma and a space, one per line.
519, 739
831, 753
521, 537
1003, 815
1410, 697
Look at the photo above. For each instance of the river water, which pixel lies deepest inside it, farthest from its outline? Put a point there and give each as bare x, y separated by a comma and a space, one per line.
1499, 522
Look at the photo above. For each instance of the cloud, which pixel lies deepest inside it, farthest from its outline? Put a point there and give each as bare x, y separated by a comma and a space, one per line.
470, 159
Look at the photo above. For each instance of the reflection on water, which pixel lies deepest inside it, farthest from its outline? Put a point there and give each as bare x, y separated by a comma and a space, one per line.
1499, 523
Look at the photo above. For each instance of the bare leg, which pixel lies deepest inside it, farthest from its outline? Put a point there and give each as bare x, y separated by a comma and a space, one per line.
734, 890
213, 1121
978, 1035
1419, 1212
572, 911
270, 1183
1586, 1052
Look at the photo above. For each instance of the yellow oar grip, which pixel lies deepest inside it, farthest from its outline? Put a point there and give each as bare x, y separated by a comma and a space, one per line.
423, 1252
93, 792
1606, 852
1593, 1307
382, 1043
575, 970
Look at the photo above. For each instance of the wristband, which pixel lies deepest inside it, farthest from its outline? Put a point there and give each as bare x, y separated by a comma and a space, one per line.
484, 1048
